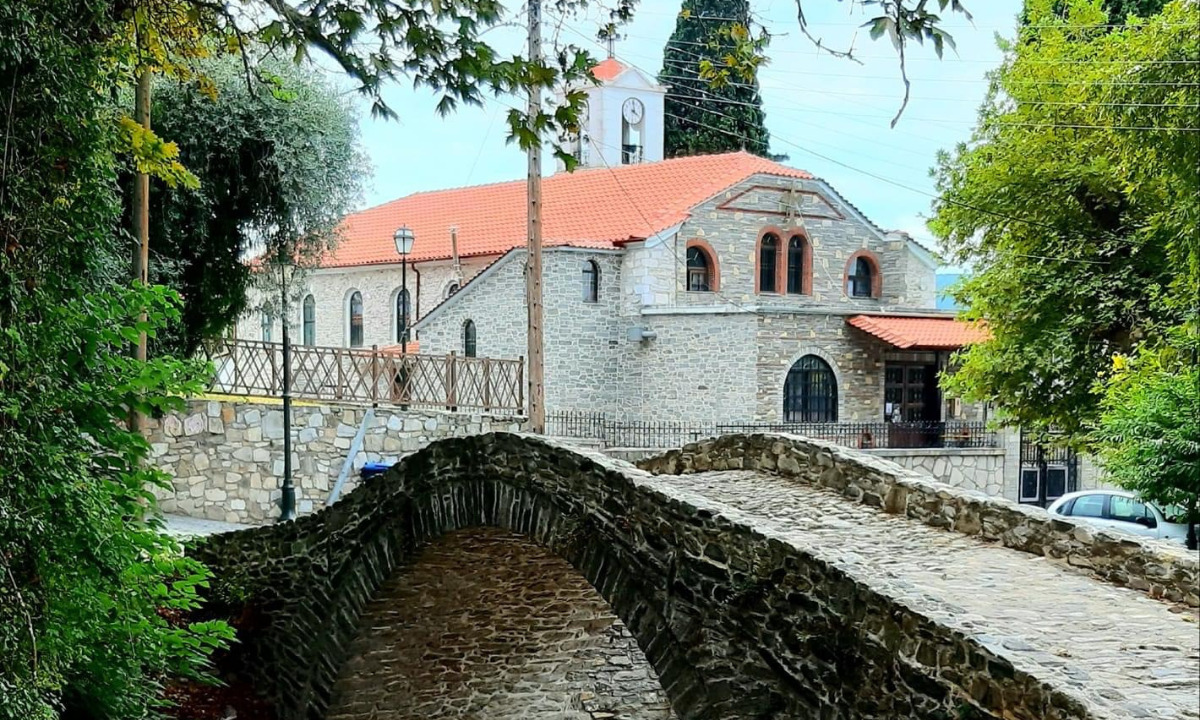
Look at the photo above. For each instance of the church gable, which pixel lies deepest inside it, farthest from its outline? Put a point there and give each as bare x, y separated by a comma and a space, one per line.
781, 201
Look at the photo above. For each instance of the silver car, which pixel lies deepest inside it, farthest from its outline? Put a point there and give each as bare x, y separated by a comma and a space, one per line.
1119, 510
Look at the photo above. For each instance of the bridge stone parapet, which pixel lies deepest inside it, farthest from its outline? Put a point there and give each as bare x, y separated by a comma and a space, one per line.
1162, 569
737, 619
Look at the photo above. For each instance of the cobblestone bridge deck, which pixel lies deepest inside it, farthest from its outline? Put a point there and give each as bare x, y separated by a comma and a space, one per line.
1124, 654
744, 578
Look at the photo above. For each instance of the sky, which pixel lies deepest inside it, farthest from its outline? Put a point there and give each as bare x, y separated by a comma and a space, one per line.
829, 115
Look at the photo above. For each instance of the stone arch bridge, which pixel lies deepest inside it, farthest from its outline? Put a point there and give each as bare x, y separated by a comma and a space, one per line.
759, 576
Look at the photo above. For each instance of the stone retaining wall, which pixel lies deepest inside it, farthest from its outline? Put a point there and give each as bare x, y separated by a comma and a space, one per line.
737, 621
226, 457
977, 469
1162, 569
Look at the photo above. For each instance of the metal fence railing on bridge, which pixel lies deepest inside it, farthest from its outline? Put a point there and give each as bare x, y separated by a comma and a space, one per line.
452, 382
611, 432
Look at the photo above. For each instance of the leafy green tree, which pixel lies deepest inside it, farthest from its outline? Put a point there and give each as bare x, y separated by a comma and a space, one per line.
87, 580
1076, 203
1149, 429
265, 155
703, 116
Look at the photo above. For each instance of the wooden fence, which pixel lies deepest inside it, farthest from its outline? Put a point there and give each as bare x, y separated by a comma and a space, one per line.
452, 382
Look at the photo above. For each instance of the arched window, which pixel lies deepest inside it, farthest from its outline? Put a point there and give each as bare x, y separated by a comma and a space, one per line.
591, 281
266, 326
795, 266
403, 308
862, 276
810, 392
355, 319
469, 338
768, 263
310, 320
699, 270
453, 288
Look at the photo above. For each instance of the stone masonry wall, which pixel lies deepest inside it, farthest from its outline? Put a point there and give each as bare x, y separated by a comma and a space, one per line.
379, 285
976, 469
1161, 569
583, 339
737, 621
226, 457
487, 624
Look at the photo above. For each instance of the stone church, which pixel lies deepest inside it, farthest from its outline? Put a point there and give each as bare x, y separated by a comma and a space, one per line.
722, 288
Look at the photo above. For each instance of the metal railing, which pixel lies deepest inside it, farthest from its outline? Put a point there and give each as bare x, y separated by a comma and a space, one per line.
452, 382
865, 435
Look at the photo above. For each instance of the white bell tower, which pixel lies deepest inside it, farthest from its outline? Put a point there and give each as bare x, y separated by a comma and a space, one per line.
623, 123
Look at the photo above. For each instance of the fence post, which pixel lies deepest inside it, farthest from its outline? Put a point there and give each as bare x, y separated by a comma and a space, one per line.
521, 383
487, 384
274, 366
374, 374
451, 381
341, 374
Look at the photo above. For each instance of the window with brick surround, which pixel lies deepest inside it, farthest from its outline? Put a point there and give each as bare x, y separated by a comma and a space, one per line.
699, 270
768, 263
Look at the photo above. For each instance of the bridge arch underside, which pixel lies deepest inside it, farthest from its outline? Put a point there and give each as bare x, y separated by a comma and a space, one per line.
735, 622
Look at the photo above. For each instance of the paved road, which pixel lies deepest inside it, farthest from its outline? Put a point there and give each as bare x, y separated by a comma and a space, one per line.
1122, 653
186, 527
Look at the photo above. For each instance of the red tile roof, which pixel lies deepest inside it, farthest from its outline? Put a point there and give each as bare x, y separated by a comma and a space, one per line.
919, 333
586, 208
608, 70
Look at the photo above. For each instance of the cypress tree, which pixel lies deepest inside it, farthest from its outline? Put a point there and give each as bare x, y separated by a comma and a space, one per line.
702, 118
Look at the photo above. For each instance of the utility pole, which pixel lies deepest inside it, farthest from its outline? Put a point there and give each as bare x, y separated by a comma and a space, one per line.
533, 268
141, 217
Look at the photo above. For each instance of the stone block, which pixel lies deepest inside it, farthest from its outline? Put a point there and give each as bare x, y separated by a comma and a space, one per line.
342, 443
194, 424
254, 434
172, 425
201, 462
214, 495
316, 420
252, 417
346, 431
395, 423
261, 455
308, 435
228, 414
272, 426
214, 409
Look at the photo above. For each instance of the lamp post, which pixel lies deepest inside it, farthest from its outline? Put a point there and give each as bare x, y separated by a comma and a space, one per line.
287, 497
404, 242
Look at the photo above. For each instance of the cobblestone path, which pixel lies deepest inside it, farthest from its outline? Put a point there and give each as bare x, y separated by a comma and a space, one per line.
1122, 653
487, 624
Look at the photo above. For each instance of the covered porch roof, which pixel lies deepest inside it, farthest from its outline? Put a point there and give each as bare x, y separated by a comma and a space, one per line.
920, 333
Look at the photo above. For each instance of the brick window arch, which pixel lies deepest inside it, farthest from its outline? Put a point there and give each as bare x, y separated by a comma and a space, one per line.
703, 269
862, 276
798, 272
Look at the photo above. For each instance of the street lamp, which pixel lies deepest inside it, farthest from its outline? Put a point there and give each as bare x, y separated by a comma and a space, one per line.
404, 242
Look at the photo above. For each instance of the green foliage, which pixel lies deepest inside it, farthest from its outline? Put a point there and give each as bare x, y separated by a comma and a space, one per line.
275, 156
1149, 428
712, 103
1076, 203
86, 576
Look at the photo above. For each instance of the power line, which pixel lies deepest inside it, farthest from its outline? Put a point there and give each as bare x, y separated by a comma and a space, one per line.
698, 43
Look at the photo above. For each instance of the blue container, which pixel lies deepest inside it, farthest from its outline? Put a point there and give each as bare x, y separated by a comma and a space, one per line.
370, 470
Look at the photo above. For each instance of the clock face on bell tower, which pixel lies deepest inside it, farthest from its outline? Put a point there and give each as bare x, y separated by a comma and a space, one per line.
633, 111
